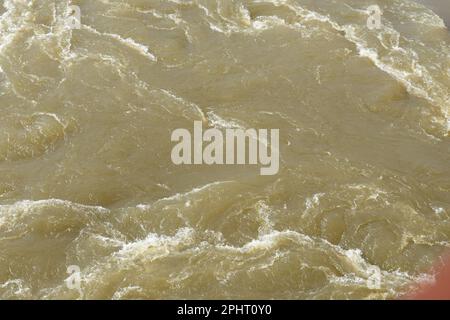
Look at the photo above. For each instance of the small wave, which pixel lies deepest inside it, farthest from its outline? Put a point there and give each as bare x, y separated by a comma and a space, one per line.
129, 42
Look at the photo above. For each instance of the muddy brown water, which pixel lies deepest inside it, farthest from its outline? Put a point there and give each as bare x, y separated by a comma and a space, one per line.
86, 177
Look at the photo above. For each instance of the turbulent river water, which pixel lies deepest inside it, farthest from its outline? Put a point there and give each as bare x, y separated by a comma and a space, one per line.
86, 177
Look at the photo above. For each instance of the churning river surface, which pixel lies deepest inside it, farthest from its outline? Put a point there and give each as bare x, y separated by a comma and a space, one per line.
86, 177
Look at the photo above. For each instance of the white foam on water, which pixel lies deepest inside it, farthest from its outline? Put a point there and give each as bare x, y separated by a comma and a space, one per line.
129, 42
313, 201
162, 243
189, 104
124, 292
196, 190
264, 213
360, 270
26, 205
217, 121
428, 88
431, 90
9, 212
13, 21
184, 197
15, 288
